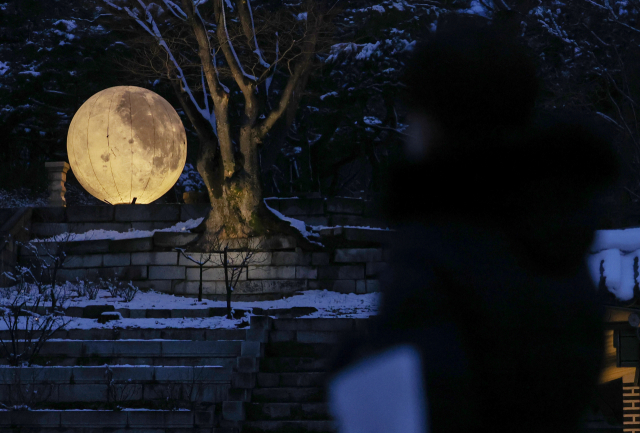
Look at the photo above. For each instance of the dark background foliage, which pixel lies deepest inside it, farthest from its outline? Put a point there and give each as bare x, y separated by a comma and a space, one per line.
54, 54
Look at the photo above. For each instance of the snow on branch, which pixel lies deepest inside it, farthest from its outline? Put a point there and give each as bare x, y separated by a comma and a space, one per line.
255, 40
175, 9
296, 224
233, 51
154, 31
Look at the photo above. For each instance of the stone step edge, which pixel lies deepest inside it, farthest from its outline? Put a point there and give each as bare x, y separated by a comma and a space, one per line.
179, 313
106, 418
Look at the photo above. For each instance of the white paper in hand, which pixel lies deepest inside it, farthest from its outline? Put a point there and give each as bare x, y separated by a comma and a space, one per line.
381, 394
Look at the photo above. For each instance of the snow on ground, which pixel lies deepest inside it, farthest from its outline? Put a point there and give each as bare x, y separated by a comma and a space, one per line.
328, 304
94, 235
618, 252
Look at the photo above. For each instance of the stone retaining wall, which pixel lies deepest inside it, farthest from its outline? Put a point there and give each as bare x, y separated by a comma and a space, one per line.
281, 267
336, 211
271, 274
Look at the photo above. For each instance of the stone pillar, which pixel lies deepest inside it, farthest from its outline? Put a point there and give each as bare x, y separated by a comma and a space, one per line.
57, 174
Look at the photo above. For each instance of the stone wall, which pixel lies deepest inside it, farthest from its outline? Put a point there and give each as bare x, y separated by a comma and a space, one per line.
283, 269
350, 263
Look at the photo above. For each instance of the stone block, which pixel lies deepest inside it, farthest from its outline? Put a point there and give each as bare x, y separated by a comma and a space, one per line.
204, 419
139, 420
38, 419
173, 239
137, 313
158, 313
45, 230
83, 392
271, 272
131, 245
282, 336
167, 272
343, 205
188, 312
84, 261
122, 259
154, 258
373, 286
374, 269
149, 212
124, 272
357, 221
74, 311
208, 259
194, 211
293, 207
361, 286
319, 259
293, 324
248, 364
344, 272
80, 274
233, 411
94, 311
162, 286
252, 348
248, 287
351, 255
284, 286
341, 286
212, 274
192, 287
283, 258
306, 272
317, 337
368, 235
243, 380
49, 214
90, 213
93, 418
88, 247
261, 322
278, 243
334, 325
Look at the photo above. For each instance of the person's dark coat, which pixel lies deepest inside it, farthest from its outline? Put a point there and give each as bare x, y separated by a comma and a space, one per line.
488, 278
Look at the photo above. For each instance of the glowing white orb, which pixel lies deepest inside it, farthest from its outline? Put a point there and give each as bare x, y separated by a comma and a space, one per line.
127, 142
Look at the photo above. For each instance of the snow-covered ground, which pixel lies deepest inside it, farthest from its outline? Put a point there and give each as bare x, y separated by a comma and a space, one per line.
94, 235
328, 304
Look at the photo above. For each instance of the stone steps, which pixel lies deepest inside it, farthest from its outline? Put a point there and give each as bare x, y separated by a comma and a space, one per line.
188, 334
108, 421
101, 385
305, 426
293, 364
288, 395
270, 380
286, 411
139, 352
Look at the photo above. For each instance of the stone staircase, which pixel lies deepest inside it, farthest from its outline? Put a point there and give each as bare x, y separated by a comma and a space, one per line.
110, 380
268, 377
289, 395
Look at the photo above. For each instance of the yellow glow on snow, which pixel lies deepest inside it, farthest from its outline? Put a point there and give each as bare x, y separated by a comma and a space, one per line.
127, 142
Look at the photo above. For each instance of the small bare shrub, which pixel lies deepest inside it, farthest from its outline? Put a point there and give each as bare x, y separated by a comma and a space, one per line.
128, 292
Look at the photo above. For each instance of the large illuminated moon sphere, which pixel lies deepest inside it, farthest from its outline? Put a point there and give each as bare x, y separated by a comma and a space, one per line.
127, 142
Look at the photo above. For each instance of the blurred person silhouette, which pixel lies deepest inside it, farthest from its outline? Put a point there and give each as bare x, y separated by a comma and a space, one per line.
489, 320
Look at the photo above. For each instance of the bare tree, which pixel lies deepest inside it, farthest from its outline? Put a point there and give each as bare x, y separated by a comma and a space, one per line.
207, 49
233, 256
